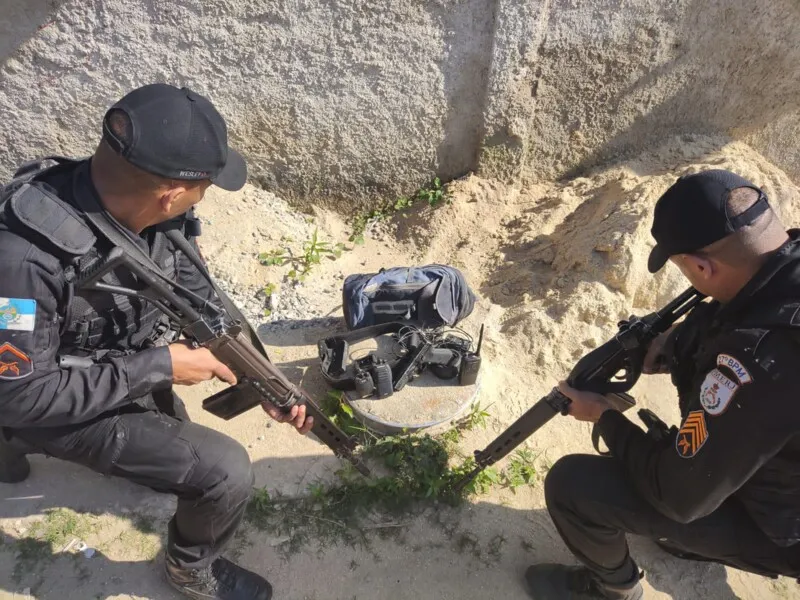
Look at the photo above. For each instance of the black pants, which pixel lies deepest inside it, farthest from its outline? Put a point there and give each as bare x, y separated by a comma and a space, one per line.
154, 444
593, 506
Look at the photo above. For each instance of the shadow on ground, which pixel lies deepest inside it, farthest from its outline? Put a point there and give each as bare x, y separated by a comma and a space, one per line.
470, 552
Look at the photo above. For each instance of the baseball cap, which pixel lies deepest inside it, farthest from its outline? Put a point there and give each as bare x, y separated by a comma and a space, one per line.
174, 133
693, 213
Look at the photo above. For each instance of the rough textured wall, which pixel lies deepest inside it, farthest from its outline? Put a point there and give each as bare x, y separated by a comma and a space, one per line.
341, 97
357, 99
608, 77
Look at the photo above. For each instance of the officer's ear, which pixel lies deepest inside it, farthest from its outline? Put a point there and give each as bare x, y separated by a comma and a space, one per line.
701, 267
171, 198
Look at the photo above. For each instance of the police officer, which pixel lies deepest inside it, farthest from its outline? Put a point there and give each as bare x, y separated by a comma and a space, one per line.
87, 376
725, 486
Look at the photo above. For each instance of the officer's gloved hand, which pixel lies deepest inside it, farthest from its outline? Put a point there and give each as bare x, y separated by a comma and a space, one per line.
192, 365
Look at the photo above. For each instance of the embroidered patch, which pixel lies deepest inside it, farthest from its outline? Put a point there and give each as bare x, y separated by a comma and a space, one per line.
716, 392
14, 363
692, 434
17, 313
732, 363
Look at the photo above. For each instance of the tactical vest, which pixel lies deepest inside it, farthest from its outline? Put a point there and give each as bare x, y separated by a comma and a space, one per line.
92, 323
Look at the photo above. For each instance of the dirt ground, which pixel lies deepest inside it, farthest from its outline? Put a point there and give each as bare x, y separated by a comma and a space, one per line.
555, 267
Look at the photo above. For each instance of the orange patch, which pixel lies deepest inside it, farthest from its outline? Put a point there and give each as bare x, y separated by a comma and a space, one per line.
692, 434
14, 363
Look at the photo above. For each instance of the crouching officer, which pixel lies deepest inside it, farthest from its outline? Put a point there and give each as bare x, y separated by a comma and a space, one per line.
725, 486
87, 376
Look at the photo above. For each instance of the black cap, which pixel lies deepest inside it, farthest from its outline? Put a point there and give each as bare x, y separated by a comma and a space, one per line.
174, 133
693, 213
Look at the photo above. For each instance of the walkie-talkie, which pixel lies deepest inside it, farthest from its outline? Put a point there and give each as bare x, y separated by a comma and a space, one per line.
471, 364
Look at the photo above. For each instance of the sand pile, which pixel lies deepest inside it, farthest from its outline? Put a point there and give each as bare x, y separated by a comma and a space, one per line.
555, 265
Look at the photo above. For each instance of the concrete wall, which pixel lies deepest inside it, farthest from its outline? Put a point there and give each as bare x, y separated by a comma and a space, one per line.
364, 98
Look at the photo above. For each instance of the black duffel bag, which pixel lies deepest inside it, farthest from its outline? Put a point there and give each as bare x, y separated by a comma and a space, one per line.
428, 296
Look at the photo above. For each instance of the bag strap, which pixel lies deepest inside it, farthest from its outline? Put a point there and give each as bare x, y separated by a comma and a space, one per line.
31, 168
180, 241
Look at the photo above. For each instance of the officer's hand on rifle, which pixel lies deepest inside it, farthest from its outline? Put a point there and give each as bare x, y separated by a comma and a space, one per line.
297, 416
656, 361
192, 365
585, 406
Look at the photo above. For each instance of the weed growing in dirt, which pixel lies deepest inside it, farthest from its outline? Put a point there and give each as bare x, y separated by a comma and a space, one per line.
521, 470
477, 417
47, 537
418, 473
313, 251
434, 194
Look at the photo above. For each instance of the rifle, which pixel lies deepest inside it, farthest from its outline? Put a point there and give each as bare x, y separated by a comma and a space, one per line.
207, 325
611, 369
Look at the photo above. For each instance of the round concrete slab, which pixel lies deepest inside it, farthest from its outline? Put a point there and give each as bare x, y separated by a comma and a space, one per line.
424, 403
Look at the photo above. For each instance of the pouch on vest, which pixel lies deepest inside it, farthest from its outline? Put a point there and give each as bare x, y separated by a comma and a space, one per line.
430, 296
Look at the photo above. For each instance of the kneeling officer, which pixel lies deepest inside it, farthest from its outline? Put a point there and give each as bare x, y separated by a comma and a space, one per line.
87, 376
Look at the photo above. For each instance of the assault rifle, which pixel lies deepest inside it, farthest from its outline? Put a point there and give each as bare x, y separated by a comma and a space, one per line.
611, 369
208, 325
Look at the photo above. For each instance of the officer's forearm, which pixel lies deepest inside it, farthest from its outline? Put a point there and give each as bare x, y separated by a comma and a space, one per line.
74, 395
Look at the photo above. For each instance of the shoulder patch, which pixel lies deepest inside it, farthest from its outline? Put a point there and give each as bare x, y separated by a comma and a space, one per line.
716, 392
14, 363
52, 218
734, 364
17, 313
692, 434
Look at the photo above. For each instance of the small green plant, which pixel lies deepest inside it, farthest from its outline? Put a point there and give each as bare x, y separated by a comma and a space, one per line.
485, 481
434, 195
521, 470
359, 224
341, 414
271, 258
476, 417
313, 251
403, 203
451, 437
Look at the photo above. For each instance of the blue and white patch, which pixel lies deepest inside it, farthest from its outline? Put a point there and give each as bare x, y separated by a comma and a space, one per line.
17, 313
716, 392
736, 367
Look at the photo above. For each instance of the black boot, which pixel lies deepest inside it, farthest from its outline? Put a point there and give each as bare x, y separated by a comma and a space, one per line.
223, 580
14, 467
560, 582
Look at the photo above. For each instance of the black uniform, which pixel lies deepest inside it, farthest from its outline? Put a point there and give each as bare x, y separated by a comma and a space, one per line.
726, 486
118, 415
